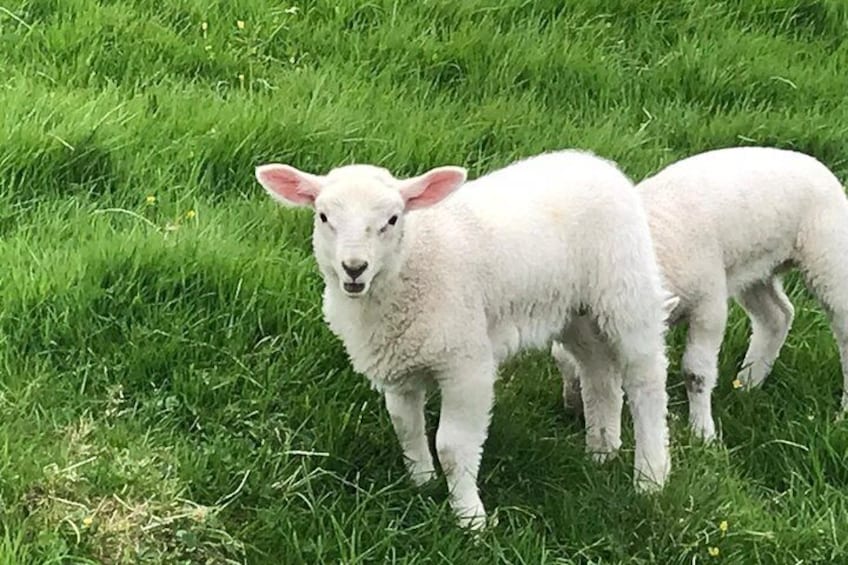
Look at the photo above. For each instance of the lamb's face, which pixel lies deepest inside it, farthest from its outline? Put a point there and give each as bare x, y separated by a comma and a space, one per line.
358, 228
359, 215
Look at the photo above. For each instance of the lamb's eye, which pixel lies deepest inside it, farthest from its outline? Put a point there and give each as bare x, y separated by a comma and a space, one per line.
392, 221
323, 217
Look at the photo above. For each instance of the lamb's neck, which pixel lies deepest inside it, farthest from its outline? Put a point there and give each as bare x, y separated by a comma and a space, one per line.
369, 327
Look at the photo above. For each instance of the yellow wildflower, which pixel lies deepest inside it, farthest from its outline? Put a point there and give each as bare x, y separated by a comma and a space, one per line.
204, 26
87, 521
713, 551
150, 200
737, 383
240, 24
723, 526
190, 214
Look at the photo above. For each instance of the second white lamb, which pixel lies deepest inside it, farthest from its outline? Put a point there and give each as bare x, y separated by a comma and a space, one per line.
729, 223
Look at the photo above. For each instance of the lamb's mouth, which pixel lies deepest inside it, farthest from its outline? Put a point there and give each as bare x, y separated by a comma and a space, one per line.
354, 288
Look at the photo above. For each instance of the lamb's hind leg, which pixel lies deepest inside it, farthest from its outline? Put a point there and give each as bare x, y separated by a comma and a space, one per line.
642, 357
823, 253
591, 360
841, 321
572, 398
635, 332
569, 367
771, 316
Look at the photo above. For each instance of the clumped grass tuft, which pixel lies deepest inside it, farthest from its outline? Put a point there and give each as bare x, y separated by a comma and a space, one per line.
168, 391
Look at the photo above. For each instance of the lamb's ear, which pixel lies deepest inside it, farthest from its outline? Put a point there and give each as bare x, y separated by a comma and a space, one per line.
431, 187
289, 185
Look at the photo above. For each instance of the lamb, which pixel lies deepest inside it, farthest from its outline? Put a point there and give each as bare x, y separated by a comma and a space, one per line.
425, 284
730, 223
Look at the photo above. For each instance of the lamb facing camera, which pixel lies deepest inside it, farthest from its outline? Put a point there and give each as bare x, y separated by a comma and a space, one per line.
429, 282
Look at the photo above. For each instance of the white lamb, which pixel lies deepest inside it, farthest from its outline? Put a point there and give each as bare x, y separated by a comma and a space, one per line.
422, 293
730, 223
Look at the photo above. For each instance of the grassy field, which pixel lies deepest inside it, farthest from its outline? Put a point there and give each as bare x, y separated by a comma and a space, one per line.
168, 391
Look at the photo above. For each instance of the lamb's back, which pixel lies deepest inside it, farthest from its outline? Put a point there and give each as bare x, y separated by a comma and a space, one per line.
536, 238
740, 206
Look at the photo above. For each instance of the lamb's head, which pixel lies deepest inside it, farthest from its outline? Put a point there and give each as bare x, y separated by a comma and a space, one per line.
359, 214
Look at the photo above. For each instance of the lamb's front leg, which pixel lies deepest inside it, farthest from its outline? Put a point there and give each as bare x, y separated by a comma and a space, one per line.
406, 409
467, 396
700, 363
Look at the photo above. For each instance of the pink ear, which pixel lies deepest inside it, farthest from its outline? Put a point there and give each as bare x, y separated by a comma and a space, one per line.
431, 187
289, 185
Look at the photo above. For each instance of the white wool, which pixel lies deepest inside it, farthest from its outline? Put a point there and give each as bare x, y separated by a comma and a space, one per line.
501, 265
728, 223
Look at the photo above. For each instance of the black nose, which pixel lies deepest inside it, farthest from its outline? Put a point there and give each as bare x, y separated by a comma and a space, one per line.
355, 268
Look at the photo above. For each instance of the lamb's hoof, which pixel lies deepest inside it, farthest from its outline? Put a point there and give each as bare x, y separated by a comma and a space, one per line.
472, 519
749, 379
648, 485
421, 473
650, 481
473, 523
703, 429
602, 457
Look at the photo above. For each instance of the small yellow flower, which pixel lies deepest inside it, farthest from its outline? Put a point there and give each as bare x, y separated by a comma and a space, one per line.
723, 525
241, 78
190, 214
713, 551
204, 26
87, 521
150, 200
737, 383
240, 24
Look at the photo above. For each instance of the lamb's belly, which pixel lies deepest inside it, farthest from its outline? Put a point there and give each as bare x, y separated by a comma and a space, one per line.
747, 273
532, 329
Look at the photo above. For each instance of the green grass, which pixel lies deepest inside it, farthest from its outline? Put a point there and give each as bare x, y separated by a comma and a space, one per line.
168, 391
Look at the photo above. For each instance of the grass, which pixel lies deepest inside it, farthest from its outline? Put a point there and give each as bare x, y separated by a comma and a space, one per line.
168, 391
